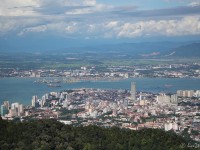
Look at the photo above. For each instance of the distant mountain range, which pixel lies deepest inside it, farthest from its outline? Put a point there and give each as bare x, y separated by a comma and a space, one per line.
190, 50
165, 49
151, 49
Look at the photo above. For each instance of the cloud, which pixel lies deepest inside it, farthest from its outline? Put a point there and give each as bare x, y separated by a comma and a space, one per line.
7, 26
61, 27
194, 4
41, 7
71, 28
189, 25
111, 24
186, 26
79, 11
11, 24
193, 9
41, 28
89, 2
18, 7
89, 18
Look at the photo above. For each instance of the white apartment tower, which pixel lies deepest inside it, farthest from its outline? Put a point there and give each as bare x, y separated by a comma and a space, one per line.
34, 100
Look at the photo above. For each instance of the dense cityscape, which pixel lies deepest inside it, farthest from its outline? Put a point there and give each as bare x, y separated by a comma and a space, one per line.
122, 108
100, 75
171, 70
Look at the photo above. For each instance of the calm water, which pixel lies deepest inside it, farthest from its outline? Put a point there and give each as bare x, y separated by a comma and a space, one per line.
22, 89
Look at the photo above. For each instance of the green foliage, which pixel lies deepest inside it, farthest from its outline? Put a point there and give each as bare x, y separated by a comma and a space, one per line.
52, 135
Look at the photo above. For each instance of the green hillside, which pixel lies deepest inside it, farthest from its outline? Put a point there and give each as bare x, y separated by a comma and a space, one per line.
52, 135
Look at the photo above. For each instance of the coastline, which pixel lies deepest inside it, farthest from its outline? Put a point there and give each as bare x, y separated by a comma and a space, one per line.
22, 89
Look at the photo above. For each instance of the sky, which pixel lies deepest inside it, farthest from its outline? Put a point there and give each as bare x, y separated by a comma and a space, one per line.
38, 23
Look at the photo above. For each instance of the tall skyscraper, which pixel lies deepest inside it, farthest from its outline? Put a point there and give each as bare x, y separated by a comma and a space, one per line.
34, 100
4, 110
20, 110
133, 91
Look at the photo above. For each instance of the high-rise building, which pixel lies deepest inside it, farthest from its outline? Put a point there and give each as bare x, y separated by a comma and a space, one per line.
65, 104
20, 110
143, 102
7, 104
174, 99
13, 113
185, 93
164, 99
15, 109
46, 96
14, 105
171, 126
42, 102
34, 100
133, 91
125, 102
180, 93
4, 110
197, 93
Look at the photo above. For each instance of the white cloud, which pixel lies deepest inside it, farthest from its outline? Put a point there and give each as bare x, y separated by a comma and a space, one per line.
77, 19
32, 7
8, 25
79, 11
91, 28
185, 26
18, 7
91, 6
41, 28
61, 28
111, 24
71, 28
193, 4
89, 2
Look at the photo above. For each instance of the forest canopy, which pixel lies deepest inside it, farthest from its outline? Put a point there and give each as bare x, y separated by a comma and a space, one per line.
53, 135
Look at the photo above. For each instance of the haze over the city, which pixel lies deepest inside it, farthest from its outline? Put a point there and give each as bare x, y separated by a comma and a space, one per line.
50, 25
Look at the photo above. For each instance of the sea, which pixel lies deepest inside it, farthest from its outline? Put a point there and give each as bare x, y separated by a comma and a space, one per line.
22, 89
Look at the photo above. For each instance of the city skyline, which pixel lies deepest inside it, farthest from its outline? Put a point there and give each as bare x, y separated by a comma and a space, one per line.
113, 66
108, 108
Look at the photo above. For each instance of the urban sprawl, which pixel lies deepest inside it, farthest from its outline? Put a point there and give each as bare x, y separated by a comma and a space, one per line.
126, 109
177, 70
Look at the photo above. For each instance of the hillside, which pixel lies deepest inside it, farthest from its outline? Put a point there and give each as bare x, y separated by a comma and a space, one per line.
190, 50
148, 49
52, 135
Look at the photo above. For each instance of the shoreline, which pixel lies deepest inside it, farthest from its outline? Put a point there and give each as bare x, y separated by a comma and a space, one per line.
22, 89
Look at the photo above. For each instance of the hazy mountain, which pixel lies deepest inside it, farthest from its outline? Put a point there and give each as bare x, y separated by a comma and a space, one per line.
190, 50
134, 49
150, 49
131, 49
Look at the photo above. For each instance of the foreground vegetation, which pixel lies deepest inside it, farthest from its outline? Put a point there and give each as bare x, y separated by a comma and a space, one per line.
50, 135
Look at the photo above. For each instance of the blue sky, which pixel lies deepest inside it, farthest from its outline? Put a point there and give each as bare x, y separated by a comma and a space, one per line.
98, 20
